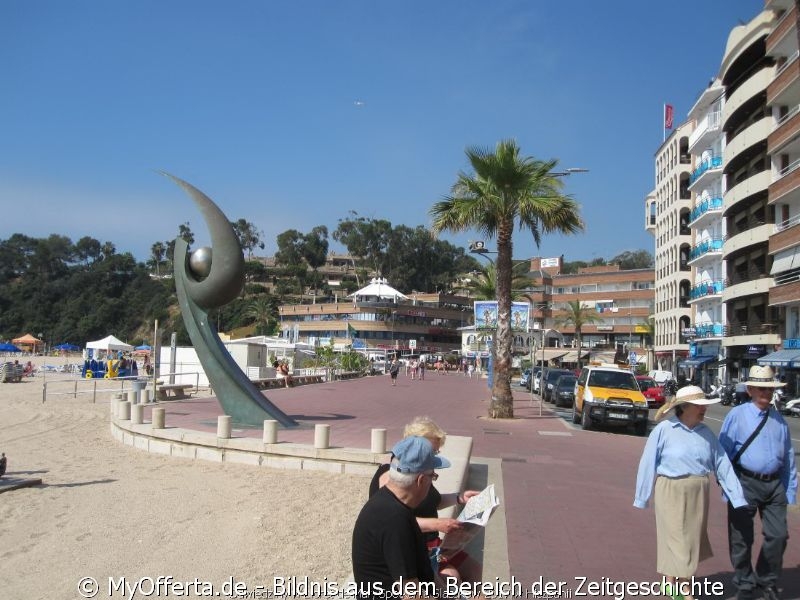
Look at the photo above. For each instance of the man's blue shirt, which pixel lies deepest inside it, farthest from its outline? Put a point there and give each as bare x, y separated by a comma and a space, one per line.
770, 451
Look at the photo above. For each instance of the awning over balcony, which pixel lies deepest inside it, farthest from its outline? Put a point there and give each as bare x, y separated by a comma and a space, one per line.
698, 361
781, 358
786, 261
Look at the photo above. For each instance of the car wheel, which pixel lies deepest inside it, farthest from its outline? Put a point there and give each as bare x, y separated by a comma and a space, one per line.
640, 428
586, 420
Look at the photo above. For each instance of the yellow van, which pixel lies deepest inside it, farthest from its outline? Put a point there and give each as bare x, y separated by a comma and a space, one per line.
608, 395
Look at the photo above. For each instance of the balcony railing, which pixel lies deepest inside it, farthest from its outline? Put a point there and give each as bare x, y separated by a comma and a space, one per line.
707, 330
713, 162
783, 225
705, 206
707, 288
749, 327
705, 247
750, 274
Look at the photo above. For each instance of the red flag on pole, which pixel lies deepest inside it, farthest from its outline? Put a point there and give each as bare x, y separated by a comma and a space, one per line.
668, 112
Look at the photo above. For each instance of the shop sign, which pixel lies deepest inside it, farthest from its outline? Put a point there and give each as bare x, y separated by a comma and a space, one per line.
792, 344
755, 351
605, 328
689, 332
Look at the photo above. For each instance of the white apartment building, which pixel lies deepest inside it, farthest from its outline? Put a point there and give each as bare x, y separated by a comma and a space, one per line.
667, 210
706, 184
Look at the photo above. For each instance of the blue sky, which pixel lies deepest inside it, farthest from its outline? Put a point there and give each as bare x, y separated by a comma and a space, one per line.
291, 114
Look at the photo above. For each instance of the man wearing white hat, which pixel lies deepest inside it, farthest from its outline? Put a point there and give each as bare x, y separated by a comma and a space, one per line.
759, 444
678, 458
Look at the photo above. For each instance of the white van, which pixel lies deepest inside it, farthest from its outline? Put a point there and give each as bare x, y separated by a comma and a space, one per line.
661, 377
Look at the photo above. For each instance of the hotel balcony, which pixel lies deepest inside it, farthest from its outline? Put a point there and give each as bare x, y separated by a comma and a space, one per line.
785, 236
749, 282
707, 250
785, 131
707, 330
708, 128
786, 289
754, 184
778, 5
705, 211
779, 40
784, 88
747, 140
749, 327
709, 169
786, 186
752, 87
706, 290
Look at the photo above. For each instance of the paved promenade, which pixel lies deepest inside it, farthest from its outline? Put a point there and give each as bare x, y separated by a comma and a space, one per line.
566, 493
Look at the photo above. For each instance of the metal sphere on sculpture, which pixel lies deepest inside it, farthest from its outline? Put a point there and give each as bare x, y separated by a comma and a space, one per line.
200, 261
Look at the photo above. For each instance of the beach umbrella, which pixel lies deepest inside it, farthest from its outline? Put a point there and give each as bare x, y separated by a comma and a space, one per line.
6, 347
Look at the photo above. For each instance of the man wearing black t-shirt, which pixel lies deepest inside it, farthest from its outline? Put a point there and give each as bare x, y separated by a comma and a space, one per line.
390, 558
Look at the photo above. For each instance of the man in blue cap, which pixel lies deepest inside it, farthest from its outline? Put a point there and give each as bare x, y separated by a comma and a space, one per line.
390, 558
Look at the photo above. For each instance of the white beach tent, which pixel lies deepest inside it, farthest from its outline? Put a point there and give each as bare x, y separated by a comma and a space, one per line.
380, 289
109, 343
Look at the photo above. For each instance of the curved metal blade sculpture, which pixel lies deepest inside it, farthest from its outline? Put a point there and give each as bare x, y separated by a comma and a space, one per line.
204, 281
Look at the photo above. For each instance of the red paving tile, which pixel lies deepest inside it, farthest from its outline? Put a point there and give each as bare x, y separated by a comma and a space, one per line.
568, 498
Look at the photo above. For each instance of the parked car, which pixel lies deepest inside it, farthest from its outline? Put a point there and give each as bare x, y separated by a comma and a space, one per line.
528, 376
609, 396
549, 382
564, 390
652, 391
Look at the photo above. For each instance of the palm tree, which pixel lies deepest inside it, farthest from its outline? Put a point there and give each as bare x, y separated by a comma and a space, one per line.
577, 316
262, 311
506, 190
483, 286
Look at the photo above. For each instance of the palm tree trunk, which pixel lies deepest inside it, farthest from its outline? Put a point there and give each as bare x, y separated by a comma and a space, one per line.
502, 405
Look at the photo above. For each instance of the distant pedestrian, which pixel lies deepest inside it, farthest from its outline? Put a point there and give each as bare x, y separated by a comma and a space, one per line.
759, 444
422, 369
3, 463
470, 370
394, 369
679, 456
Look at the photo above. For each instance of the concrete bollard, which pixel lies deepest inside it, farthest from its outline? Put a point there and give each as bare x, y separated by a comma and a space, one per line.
137, 414
224, 427
270, 431
322, 436
147, 395
158, 418
133, 397
378, 444
125, 411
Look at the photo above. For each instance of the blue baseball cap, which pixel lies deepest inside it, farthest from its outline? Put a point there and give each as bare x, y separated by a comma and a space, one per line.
415, 454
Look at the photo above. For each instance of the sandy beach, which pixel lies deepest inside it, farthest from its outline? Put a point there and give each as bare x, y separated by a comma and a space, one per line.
106, 510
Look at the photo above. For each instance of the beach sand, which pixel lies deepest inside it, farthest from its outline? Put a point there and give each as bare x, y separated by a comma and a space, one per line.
106, 510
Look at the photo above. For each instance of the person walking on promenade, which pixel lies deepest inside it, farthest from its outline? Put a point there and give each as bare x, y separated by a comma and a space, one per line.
394, 369
759, 444
387, 544
678, 457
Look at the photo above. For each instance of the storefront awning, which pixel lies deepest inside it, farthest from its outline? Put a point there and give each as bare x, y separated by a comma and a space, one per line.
781, 358
571, 357
698, 361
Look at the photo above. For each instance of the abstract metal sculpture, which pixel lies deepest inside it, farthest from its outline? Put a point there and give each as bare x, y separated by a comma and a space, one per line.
206, 280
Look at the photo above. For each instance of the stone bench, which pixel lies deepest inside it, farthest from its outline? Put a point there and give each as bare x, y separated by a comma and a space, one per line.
173, 391
266, 383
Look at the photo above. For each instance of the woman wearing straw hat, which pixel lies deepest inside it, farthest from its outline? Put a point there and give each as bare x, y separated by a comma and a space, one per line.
760, 446
677, 459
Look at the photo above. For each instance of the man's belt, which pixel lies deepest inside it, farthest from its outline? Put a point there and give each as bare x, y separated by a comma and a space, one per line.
759, 476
